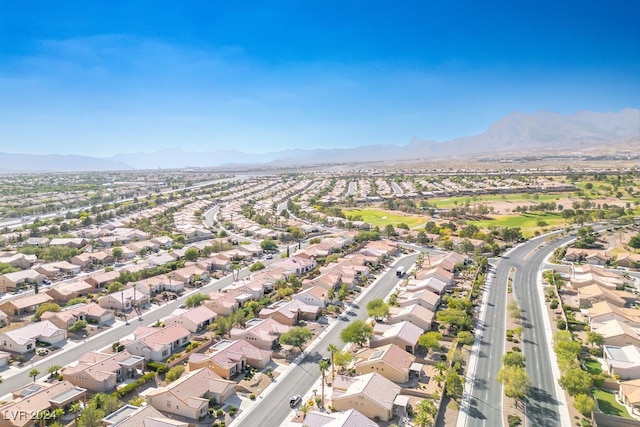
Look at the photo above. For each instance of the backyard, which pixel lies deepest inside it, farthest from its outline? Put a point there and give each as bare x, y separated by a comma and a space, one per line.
608, 404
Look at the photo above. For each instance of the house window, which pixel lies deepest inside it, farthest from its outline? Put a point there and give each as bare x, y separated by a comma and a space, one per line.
168, 404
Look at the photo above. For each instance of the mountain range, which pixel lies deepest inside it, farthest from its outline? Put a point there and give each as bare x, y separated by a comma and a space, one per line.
516, 133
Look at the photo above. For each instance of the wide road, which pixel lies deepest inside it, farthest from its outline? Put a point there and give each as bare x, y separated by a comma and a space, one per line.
542, 405
484, 405
273, 409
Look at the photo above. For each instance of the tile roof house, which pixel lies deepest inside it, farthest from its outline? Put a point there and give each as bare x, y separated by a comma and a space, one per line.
588, 274
390, 361
592, 294
30, 400
24, 305
416, 314
11, 281
629, 394
23, 340
189, 395
263, 333
101, 280
64, 292
623, 361
290, 312
124, 300
618, 333
430, 283
348, 418
145, 416
91, 313
373, 394
157, 344
226, 358
425, 298
604, 311
315, 295
194, 319
404, 334
100, 372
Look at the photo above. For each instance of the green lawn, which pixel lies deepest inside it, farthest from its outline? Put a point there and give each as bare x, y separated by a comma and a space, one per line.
381, 217
608, 404
527, 222
450, 202
593, 366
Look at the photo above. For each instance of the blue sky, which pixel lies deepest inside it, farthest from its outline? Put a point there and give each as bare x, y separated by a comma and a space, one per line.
102, 78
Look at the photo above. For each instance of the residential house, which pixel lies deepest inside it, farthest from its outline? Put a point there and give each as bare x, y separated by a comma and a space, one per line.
64, 292
189, 396
629, 394
416, 314
290, 312
189, 274
4, 358
72, 242
144, 416
592, 294
263, 333
38, 397
372, 394
57, 268
588, 274
604, 311
24, 305
430, 283
164, 242
404, 334
101, 372
426, 298
18, 260
622, 361
226, 358
295, 265
124, 300
91, 313
102, 280
157, 344
315, 295
194, 319
390, 361
617, 333
23, 340
11, 281
348, 418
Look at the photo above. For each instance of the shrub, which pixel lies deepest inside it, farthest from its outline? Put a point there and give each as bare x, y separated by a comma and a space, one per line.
219, 413
252, 396
174, 373
158, 367
135, 385
561, 324
514, 420
553, 305
595, 351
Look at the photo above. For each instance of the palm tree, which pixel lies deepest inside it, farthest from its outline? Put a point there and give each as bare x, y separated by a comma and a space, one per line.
441, 367
324, 367
75, 408
34, 373
53, 370
332, 348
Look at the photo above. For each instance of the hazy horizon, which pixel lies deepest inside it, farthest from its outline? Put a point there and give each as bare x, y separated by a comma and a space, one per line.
94, 80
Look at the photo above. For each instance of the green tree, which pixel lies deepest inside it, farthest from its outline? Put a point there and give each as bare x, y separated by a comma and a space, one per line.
34, 374
78, 325
75, 408
191, 254
343, 293
584, 404
117, 254
342, 359
91, 417
47, 306
377, 308
513, 358
332, 349
358, 332
268, 245
425, 413
114, 287
595, 338
430, 340
174, 373
297, 336
453, 384
515, 381
257, 267
634, 242
576, 381
465, 337
195, 300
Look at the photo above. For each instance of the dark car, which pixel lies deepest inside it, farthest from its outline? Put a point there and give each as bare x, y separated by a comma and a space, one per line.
294, 400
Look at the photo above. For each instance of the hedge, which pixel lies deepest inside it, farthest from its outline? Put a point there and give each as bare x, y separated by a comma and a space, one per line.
158, 367
136, 384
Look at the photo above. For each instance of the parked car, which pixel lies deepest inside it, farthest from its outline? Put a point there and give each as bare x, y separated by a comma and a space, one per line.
294, 400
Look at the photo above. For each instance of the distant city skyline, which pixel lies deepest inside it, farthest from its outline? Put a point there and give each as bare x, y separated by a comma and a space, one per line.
102, 78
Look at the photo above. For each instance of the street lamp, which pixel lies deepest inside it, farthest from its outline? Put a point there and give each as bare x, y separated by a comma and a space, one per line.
126, 321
